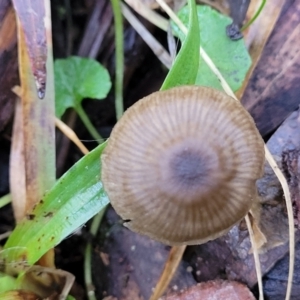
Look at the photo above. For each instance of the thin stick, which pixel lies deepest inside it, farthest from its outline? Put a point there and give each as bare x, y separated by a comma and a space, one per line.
148, 14
67, 131
256, 257
149, 39
170, 268
289, 207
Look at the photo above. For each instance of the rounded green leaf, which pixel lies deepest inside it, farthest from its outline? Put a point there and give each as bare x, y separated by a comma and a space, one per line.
77, 78
7, 283
231, 57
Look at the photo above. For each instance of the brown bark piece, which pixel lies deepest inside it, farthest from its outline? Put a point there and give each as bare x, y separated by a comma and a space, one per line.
31, 18
211, 290
285, 145
8, 62
274, 89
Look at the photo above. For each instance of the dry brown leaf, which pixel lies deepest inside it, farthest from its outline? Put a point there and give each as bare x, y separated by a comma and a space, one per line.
38, 127
31, 16
259, 32
17, 165
48, 283
8, 61
38, 134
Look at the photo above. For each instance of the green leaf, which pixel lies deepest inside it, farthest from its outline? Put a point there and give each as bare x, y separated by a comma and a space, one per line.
13, 260
75, 198
184, 69
7, 283
230, 57
77, 78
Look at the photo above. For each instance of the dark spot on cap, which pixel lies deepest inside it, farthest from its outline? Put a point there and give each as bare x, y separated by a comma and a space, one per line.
188, 168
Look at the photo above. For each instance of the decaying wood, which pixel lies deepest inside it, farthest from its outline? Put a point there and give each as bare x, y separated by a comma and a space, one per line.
8, 62
274, 89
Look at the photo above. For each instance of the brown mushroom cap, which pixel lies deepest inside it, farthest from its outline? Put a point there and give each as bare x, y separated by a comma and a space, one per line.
181, 165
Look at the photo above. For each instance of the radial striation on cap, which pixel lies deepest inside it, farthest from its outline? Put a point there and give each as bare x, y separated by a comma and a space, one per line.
181, 165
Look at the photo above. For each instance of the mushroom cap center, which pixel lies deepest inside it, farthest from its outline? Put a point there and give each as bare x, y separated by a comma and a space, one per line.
188, 168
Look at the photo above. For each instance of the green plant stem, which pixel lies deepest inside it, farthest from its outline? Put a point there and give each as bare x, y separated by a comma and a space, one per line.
119, 58
4, 200
263, 2
87, 123
88, 256
96, 220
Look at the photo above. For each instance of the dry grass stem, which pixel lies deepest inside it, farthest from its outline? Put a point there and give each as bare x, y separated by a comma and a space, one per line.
256, 257
68, 132
222, 7
63, 127
289, 206
170, 268
148, 14
149, 39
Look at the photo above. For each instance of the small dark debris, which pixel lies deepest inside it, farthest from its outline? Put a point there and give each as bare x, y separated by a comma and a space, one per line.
48, 215
126, 221
30, 217
41, 93
233, 32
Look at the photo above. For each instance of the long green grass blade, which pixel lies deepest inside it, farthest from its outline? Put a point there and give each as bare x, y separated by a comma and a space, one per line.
75, 198
185, 67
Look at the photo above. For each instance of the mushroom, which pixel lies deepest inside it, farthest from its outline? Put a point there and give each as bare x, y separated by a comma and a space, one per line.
181, 165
